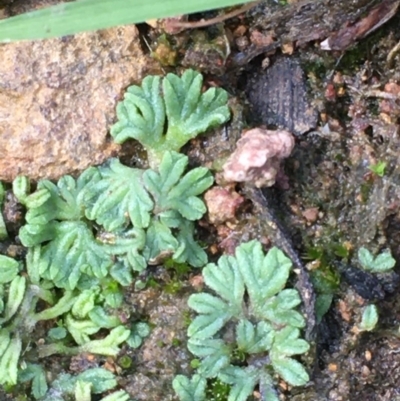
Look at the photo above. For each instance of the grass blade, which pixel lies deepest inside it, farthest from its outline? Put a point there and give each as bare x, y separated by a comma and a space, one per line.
87, 15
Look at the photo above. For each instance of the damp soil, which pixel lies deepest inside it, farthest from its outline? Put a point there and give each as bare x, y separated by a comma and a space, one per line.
340, 191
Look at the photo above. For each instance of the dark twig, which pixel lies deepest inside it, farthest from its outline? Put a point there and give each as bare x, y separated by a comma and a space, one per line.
203, 23
268, 218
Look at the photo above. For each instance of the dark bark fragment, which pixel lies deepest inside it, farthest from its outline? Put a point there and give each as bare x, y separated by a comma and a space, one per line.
350, 34
314, 20
368, 285
278, 97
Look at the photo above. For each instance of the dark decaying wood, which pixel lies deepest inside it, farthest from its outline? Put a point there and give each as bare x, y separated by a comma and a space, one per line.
370, 286
278, 97
336, 24
350, 34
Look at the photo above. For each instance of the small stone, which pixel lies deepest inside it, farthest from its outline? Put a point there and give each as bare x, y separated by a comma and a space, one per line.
365, 371
333, 367
288, 48
197, 281
344, 311
330, 92
222, 204
261, 40
311, 214
240, 31
393, 88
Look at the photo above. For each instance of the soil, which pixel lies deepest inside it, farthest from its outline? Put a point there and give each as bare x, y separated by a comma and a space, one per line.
332, 199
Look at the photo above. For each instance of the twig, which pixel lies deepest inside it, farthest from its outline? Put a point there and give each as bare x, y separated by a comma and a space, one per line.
271, 223
392, 54
216, 20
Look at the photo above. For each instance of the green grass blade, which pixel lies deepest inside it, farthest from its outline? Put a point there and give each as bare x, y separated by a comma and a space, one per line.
87, 15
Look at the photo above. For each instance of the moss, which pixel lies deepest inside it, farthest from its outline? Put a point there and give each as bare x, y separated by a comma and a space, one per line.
217, 391
125, 362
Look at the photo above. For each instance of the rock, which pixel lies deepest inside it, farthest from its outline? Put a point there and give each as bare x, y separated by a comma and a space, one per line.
311, 214
58, 98
222, 204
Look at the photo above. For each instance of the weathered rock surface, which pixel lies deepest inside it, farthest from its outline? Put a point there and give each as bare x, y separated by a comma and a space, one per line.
58, 98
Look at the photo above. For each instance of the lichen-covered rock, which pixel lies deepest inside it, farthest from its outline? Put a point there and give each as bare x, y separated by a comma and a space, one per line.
258, 157
58, 98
